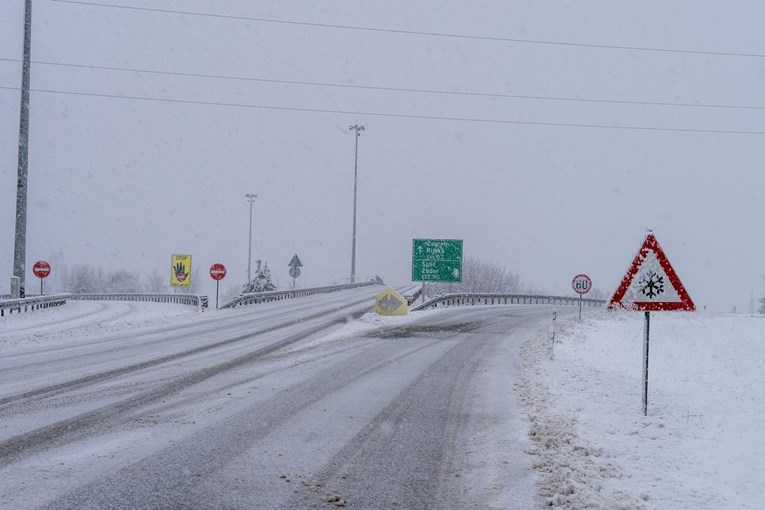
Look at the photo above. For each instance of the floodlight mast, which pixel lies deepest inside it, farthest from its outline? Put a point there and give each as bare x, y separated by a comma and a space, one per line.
20, 247
358, 130
250, 198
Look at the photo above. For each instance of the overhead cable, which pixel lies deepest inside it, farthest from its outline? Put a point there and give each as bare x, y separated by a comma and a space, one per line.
418, 32
399, 115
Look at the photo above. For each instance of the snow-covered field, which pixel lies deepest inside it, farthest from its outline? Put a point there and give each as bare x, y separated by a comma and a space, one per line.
700, 447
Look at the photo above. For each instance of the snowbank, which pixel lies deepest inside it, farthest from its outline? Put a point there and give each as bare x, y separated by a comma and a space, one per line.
701, 444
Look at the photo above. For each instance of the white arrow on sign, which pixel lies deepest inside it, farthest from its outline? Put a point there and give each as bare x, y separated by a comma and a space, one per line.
389, 303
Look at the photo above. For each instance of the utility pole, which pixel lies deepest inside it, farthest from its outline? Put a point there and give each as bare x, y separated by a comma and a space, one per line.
250, 198
20, 248
358, 130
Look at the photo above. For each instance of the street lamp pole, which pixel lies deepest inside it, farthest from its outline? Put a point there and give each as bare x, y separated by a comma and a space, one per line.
358, 130
20, 247
250, 198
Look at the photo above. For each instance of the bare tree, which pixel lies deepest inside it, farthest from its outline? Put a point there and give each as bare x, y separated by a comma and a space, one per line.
83, 279
122, 281
155, 284
481, 276
597, 294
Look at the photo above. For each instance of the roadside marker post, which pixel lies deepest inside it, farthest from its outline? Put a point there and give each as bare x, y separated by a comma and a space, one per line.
552, 335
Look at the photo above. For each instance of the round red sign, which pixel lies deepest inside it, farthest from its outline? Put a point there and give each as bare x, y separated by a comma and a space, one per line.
581, 284
41, 269
217, 271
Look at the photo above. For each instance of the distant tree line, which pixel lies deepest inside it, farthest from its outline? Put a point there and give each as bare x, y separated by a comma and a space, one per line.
479, 276
89, 279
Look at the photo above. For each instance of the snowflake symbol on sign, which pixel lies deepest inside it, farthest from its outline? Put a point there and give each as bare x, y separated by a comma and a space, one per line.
651, 284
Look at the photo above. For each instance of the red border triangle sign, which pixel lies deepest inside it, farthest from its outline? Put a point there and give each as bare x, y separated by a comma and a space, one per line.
651, 283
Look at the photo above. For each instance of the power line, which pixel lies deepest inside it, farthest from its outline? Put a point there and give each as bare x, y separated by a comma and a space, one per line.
399, 115
420, 33
396, 89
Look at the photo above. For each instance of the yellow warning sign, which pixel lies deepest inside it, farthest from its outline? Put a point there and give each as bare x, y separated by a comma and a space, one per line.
390, 302
180, 271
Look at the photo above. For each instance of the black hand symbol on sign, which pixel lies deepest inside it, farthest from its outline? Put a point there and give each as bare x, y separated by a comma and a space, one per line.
180, 272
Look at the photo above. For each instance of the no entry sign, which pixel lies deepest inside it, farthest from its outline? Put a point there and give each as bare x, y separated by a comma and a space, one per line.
217, 271
41, 269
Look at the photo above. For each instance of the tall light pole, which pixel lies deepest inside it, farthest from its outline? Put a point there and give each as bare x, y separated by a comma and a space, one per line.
250, 198
358, 130
20, 248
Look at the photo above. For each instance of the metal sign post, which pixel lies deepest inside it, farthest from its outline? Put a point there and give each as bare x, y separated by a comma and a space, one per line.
646, 330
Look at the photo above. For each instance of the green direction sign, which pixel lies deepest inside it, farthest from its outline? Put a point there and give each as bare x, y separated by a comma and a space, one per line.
437, 260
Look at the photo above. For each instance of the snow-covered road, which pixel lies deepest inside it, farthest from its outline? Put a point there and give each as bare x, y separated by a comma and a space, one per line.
293, 405
275, 406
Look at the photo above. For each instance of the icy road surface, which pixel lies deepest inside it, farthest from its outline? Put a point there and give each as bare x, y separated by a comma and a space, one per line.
280, 405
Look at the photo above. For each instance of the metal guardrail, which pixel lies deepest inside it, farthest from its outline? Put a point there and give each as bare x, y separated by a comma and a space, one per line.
278, 295
465, 299
32, 303
183, 299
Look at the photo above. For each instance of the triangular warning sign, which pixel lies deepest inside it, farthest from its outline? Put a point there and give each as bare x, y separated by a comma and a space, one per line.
651, 283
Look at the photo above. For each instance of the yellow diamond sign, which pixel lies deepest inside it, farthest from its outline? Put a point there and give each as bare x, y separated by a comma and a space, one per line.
390, 302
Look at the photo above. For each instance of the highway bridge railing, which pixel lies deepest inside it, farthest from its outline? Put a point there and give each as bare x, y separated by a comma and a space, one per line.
468, 299
200, 302
32, 303
278, 295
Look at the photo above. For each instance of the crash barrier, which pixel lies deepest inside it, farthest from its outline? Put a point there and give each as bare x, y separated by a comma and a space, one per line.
32, 303
413, 297
182, 299
278, 295
466, 299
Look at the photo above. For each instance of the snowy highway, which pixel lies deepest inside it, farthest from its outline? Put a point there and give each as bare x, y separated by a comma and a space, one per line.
280, 405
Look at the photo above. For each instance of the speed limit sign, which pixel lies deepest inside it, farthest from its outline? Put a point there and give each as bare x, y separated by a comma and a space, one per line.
581, 284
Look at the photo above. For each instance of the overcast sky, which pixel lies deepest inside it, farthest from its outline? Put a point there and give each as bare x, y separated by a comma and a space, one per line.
127, 167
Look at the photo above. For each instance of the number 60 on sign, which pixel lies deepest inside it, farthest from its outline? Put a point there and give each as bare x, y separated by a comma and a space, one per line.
581, 284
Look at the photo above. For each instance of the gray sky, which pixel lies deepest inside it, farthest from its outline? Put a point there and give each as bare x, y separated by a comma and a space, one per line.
127, 182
